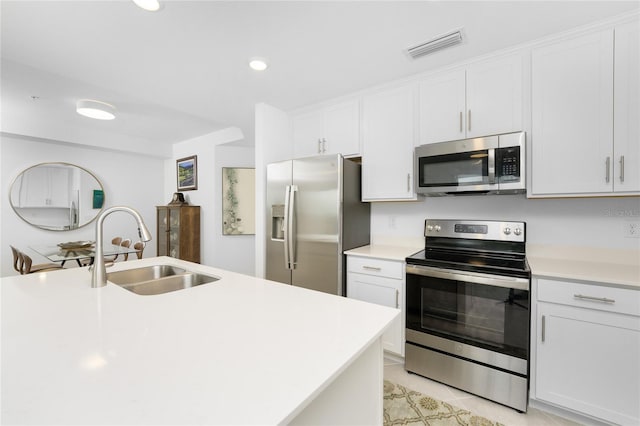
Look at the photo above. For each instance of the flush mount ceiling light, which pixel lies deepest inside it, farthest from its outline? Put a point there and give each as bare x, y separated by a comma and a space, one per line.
149, 5
440, 42
258, 64
95, 109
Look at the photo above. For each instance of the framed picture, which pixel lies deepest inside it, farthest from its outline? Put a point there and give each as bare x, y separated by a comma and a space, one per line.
238, 201
187, 171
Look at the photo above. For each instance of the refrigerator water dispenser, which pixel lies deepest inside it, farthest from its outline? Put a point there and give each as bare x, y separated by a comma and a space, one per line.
277, 222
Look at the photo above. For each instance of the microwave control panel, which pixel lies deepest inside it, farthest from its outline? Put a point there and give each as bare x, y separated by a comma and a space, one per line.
508, 164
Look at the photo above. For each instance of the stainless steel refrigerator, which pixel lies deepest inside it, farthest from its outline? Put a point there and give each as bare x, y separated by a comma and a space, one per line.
314, 215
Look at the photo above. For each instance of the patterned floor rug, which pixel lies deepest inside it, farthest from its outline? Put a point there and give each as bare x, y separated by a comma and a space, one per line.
404, 406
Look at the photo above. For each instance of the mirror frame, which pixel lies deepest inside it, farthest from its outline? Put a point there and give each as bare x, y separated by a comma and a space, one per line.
63, 164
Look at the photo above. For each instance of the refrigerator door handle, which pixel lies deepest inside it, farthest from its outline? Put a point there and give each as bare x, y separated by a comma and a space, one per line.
291, 224
287, 235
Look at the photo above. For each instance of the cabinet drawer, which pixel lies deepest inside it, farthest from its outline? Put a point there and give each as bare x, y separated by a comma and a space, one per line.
377, 267
611, 299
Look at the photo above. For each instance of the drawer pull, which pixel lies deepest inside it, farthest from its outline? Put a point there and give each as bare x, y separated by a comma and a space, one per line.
397, 299
543, 329
594, 299
372, 268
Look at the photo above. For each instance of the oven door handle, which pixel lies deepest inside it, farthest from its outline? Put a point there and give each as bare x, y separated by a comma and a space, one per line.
472, 277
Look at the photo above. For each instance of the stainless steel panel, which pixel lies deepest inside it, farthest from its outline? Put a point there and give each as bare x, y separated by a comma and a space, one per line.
474, 353
496, 385
318, 254
495, 229
469, 277
278, 177
455, 147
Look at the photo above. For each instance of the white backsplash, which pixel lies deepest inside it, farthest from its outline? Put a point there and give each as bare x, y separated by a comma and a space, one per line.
588, 222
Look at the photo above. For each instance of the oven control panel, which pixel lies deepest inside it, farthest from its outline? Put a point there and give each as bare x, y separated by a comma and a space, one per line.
475, 229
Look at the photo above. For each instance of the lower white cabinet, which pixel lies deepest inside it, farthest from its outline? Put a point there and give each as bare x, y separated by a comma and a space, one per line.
380, 281
588, 349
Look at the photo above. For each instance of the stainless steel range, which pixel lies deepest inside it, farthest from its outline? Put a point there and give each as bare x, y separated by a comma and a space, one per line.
468, 309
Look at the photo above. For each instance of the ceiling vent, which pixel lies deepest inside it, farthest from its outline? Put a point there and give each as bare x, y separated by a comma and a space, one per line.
437, 43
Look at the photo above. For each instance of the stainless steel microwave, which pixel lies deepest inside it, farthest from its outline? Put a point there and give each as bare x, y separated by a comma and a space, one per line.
489, 165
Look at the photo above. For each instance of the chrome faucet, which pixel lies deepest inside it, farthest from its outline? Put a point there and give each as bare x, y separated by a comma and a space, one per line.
99, 273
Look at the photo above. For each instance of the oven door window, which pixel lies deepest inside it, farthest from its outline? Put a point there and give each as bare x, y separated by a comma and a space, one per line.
491, 317
462, 169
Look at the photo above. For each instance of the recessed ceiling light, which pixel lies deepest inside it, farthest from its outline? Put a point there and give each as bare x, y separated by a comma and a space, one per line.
258, 64
150, 5
95, 109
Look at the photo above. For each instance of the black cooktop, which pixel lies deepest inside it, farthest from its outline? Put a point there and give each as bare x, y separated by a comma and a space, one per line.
490, 263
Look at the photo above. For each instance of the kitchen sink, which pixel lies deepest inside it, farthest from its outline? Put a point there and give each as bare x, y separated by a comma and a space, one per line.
158, 279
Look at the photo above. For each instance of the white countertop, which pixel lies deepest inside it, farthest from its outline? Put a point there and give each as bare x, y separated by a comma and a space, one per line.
241, 350
620, 268
389, 252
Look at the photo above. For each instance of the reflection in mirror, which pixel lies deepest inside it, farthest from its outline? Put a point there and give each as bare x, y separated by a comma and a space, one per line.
57, 196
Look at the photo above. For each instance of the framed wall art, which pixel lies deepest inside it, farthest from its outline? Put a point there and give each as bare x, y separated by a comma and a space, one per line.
187, 172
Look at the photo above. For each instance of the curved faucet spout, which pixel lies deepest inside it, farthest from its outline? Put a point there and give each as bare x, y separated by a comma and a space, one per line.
99, 275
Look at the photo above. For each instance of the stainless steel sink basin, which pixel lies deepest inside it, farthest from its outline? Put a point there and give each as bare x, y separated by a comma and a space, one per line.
158, 279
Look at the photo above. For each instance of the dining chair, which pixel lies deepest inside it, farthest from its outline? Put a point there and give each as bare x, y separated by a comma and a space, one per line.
16, 258
140, 245
125, 243
25, 264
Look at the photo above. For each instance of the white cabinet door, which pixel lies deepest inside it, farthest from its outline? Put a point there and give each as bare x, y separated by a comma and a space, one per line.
342, 129
442, 107
334, 129
381, 291
572, 114
483, 99
307, 134
494, 96
626, 149
387, 145
588, 361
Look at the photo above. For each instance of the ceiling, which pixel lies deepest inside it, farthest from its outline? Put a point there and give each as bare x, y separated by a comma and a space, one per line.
182, 72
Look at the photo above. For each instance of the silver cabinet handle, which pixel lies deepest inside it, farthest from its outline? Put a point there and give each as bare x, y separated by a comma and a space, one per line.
408, 182
461, 128
542, 332
372, 268
469, 120
622, 168
594, 299
324, 145
397, 298
608, 169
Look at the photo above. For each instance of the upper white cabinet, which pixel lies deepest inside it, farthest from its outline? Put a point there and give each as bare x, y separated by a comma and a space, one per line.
626, 107
484, 98
45, 187
573, 115
333, 129
388, 138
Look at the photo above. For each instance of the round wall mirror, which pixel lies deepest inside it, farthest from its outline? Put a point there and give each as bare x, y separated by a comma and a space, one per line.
57, 196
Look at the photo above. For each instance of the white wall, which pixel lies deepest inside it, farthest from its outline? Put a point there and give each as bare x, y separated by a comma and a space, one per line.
232, 252
128, 179
273, 143
591, 222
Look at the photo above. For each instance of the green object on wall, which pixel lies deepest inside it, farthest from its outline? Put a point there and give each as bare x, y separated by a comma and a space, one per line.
98, 198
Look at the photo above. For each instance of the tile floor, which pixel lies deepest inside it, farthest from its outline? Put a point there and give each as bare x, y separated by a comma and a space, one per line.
395, 372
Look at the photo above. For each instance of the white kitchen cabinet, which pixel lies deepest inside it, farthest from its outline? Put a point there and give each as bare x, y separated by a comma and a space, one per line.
574, 152
388, 126
626, 107
380, 281
484, 98
334, 129
54, 192
588, 349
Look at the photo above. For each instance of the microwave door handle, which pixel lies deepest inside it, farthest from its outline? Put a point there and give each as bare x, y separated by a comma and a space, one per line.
491, 160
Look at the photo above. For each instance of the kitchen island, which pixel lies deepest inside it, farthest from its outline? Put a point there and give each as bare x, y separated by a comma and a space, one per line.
241, 350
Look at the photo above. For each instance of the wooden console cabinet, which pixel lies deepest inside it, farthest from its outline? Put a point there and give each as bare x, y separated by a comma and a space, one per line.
179, 232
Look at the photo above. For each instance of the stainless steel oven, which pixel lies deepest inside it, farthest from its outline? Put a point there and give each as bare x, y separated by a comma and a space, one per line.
468, 309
